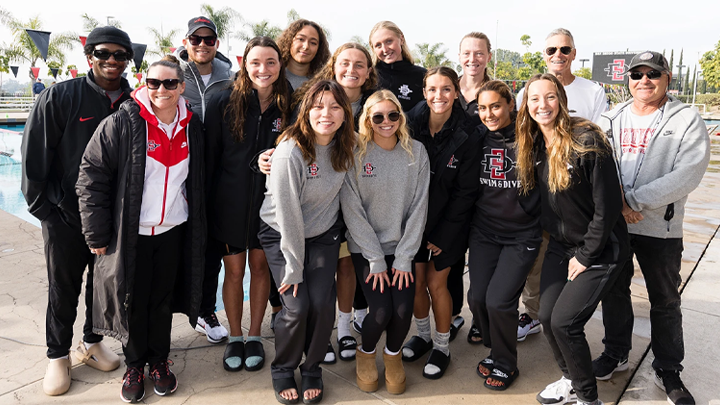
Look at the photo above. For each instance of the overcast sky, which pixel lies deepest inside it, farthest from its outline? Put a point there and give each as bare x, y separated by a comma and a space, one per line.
598, 26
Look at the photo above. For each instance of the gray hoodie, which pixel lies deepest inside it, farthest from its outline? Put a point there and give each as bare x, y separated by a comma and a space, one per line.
195, 90
674, 164
384, 202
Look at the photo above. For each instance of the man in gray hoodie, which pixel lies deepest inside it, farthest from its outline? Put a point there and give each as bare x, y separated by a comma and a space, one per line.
206, 72
662, 149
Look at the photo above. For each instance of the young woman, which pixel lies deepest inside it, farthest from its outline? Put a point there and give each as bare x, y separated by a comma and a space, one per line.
384, 203
300, 233
474, 56
304, 49
394, 64
241, 121
504, 238
142, 208
570, 162
351, 67
452, 144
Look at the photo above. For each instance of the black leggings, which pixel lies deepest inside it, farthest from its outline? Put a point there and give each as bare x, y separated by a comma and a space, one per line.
389, 311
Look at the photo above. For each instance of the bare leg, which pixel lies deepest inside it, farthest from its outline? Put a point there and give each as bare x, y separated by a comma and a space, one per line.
346, 282
441, 299
259, 289
421, 308
233, 294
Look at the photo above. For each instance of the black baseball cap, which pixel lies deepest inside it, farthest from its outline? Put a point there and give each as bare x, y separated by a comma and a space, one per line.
650, 59
200, 22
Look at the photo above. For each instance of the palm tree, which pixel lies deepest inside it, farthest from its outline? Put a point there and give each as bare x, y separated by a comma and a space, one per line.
224, 20
364, 42
430, 56
23, 49
90, 23
261, 29
162, 41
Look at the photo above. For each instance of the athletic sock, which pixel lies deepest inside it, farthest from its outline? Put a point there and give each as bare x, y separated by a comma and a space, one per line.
253, 360
343, 324
423, 328
441, 343
235, 361
360, 315
366, 352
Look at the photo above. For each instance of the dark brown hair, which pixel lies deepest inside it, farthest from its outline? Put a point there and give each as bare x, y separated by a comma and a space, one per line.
503, 90
443, 71
285, 41
171, 62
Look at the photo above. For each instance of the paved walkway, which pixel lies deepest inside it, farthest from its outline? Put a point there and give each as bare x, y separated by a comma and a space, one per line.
23, 298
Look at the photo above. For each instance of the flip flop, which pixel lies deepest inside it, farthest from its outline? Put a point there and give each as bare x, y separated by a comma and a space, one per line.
505, 378
419, 347
309, 383
282, 384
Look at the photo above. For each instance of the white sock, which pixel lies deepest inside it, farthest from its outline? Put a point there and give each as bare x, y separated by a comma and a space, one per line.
343, 324
361, 349
441, 343
360, 315
423, 328
60, 358
329, 357
389, 353
88, 345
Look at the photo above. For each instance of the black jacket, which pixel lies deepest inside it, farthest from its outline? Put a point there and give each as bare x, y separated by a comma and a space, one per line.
110, 189
454, 171
500, 208
59, 127
586, 218
236, 187
404, 79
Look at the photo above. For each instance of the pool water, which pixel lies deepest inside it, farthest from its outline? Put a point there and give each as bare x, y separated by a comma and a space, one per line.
13, 202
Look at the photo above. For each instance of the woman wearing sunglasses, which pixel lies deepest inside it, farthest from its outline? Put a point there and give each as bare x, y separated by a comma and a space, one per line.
141, 199
300, 234
394, 64
241, 121
505, 237
384, 203
570, 161
452, 143
304, 49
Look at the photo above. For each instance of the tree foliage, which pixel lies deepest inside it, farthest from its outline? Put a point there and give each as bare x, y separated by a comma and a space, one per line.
224, 19
90, 22
710, 64
162, 41
431, 55
261, 29
585, 73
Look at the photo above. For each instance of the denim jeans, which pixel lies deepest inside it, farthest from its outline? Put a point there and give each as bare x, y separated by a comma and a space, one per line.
659, 261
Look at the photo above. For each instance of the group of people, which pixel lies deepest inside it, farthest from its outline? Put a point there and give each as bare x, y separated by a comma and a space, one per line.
358, 179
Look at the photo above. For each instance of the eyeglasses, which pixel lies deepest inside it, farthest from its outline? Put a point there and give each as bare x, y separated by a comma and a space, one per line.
565, 50
119, 56
196, 39
170, 84
378, 119
651, 74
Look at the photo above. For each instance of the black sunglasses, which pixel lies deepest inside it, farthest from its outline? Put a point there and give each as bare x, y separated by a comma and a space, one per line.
119, 56
196, 39
565, 50
378, 119
170, 84
651, 74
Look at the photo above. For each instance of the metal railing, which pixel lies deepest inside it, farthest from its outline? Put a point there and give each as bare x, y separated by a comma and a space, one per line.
22, 103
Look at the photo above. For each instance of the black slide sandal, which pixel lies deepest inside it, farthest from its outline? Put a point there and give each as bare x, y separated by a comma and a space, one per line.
347, 343
488, 363
254, 348
505, 378
474, 333
309, 383
234, 349
282, 384
419, 347
440, 360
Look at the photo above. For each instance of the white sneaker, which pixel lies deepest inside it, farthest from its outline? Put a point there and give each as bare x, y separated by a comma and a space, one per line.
558, 393
527, 326
211, 327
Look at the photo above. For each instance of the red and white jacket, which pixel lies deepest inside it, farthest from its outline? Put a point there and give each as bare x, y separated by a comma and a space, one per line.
164, 200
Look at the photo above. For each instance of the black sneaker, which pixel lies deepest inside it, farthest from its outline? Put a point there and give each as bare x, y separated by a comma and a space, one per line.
163, 378
604, 366
133, 388
674, 388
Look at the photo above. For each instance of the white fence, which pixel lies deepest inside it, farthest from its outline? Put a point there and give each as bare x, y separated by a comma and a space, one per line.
22, 103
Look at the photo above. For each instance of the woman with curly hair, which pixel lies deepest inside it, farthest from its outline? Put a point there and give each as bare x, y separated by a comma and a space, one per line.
242, 121
570, 161
304, 49
300, 234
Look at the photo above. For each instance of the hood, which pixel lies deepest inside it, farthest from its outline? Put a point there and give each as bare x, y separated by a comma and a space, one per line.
140, 95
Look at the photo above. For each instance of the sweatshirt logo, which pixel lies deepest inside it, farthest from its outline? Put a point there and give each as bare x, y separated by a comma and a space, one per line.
313, 170
276, 125
497, 164
404, 92
452, 164
368, 170
151, 146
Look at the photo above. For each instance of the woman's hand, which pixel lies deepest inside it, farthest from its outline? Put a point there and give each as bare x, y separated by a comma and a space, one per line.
434, 249
284, 287
574, 269
98, 251
382, 278
264, 162
405, 277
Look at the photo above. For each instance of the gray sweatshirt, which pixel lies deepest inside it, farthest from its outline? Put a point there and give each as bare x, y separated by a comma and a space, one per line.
673, 166
384, 202
302, 201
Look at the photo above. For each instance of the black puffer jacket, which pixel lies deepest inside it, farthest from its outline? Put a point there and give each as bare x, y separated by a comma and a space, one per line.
236, 187
454, 171
110, 187
586, 217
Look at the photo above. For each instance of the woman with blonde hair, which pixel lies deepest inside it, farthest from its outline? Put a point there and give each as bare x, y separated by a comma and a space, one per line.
384, 203
571, 163
474, 56
394, 64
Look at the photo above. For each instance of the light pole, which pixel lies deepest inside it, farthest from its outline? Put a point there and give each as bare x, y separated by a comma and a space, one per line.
583, 62
697, 76
108, 19
679, 86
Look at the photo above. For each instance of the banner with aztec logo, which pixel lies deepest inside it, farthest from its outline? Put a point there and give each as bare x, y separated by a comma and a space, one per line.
611, 67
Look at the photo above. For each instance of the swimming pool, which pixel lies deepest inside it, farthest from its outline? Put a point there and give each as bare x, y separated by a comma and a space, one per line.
13, 202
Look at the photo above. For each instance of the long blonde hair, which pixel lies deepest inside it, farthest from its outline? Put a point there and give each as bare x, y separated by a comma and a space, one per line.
389, 25
565, 147
365, 127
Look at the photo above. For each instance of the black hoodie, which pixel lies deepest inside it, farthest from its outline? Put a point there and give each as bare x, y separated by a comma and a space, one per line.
404, 79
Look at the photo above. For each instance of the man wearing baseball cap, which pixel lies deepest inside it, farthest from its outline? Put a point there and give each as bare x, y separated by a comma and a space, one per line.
662, 149
58, 128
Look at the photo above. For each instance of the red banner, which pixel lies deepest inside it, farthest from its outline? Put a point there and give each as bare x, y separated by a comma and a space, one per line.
138, 76
73, 72
82, 40
239, 58
36, 71
172, 50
